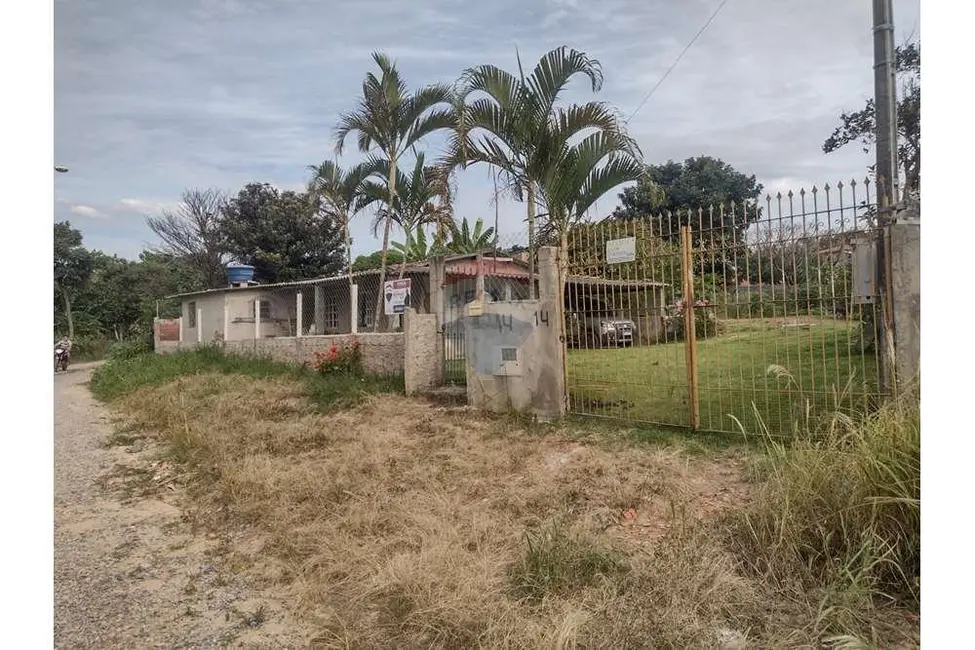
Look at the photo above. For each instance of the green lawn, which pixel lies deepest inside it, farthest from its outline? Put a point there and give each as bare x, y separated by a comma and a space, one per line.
649, 384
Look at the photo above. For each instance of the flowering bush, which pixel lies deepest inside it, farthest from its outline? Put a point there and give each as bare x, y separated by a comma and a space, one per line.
705, 320
346, 359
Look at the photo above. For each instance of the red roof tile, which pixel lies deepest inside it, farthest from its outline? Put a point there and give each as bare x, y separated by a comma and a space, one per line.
492, 269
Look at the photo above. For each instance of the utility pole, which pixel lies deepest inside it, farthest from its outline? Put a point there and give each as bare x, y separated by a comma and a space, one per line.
888, 179
885, 102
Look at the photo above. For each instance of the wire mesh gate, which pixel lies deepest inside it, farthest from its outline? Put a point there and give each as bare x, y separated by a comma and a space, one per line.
760, 315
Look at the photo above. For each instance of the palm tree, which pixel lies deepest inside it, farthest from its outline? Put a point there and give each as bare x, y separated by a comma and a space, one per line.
516, 126
583, 173
421, 198
338, 192
390, 119
463, 240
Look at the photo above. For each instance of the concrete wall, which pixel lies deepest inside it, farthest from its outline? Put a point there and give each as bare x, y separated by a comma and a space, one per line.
515, 352
212, 323
905, 283
530, 382
423, 366
381, 353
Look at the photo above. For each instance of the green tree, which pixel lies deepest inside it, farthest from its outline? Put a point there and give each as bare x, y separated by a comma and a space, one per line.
712, 197
392, 120
337, 193
375, 259
860, 126
72, 268
464, 239
281, 234
113, 298
421, 198
513, 123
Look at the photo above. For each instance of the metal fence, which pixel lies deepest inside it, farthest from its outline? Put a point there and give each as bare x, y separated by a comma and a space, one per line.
755, 315
318, 307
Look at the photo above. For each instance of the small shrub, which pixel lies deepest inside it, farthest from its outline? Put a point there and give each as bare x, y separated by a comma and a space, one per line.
86, 348
128, 350
706, 323
346, 359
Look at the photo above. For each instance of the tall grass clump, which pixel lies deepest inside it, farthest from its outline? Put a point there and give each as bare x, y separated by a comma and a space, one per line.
126, 373
838, 513
557, 560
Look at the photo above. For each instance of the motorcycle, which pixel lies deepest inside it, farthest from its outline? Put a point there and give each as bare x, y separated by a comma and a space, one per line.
60, 359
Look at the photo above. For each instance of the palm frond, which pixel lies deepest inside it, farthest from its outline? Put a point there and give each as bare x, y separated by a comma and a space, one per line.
554, 70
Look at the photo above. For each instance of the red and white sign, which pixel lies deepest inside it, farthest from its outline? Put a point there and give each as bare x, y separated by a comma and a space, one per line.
397, 296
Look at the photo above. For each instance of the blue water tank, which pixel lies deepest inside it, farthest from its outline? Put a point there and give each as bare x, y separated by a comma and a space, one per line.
239, 273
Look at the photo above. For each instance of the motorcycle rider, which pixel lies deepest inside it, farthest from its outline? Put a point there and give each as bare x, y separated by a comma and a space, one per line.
64, 344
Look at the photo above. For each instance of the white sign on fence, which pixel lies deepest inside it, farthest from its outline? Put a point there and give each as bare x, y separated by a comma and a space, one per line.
397, 295
621, 250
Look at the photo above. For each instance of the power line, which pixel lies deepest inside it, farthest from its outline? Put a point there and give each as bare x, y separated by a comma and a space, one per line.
677, 60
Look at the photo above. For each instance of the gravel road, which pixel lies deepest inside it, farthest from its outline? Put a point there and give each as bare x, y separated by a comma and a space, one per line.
128, 570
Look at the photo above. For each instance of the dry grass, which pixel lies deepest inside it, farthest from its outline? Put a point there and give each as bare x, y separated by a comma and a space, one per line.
403, 524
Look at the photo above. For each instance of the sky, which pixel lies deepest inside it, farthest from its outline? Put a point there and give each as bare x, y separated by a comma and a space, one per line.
154, 98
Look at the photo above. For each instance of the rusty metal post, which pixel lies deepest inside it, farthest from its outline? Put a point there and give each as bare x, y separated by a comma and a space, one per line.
690, 335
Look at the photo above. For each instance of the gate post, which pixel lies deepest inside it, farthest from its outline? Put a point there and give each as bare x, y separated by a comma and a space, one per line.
904, 274
690, 335
437, 279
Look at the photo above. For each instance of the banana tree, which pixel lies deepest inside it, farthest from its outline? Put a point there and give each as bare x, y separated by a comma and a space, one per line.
391, 120
415, 248
464, 240
513, 122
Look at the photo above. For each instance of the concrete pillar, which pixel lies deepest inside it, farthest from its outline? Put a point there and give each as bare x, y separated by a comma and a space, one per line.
226, 317
422, 367
199, 324
551, 394
354, 307
479, 286
257, 319
319, 308
904, 268
299, 315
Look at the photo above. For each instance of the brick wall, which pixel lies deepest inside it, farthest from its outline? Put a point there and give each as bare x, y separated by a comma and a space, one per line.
381, 353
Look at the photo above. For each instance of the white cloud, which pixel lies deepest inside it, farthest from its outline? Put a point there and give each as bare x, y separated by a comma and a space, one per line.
152, 100
87, 211
145, 206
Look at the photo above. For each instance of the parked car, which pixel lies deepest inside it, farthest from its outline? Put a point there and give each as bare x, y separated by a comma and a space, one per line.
597, 331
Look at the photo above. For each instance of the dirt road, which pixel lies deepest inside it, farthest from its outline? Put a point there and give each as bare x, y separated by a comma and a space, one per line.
129, 572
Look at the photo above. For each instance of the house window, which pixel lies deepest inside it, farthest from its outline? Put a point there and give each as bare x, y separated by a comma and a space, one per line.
367, 315
192, 314
265, 309
331, 319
